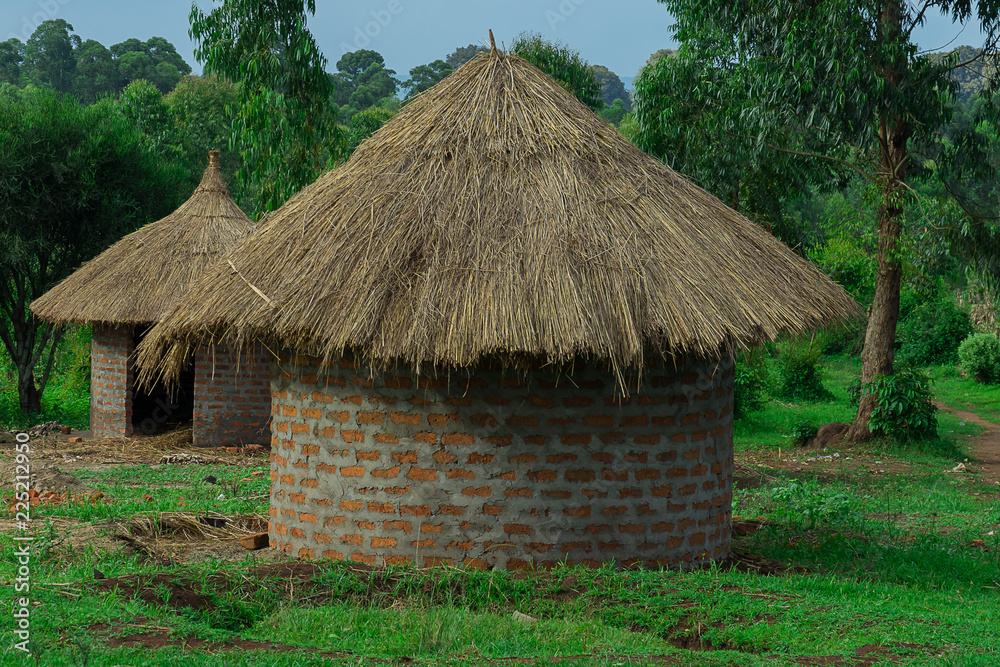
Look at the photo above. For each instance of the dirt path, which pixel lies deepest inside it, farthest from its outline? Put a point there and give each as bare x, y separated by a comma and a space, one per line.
985, 448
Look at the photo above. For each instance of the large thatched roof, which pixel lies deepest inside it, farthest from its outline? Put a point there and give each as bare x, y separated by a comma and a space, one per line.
142, 276
495, 213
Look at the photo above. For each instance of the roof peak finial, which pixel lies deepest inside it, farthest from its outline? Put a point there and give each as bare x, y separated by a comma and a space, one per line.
213, 158
493, 44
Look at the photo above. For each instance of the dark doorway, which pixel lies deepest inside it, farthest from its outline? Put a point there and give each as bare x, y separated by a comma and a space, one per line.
159, 409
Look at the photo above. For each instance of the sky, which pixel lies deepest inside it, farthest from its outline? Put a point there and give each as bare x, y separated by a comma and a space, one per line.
619, 34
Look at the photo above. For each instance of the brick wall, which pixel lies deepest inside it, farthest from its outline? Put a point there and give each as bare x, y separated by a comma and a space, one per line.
232, 396
493, 471
111, 376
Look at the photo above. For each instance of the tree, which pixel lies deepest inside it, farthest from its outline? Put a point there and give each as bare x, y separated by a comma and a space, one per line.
462, 55
562, 64
362, 80
849, 73
614, 113
155, 60
73, 180
423, 77
284, 123
48, 55
142, 104
96, 72
11, 57
198, 108
695, 113
612, 87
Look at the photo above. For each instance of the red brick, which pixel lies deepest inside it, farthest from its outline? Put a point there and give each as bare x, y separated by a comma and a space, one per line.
352, 471
482, 491
373, 455
458, 439
459, 473
422, 474
407, 457
386, 472
575, 439
517, 529
415, 510
404, 418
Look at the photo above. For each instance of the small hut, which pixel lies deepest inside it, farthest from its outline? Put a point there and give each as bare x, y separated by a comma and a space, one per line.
127, 288
505, 338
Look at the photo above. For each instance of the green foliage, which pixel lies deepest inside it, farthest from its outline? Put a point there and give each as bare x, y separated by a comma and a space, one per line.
97, 72
695, 112
803, 431
284, 123
806, 504
802, 374
931, 329
612, 88
364, 124
73, 180
562, 64
199, 109
143, 104
749, 394
11, 57
363, 80
615, 113
904, 408
462, 55
849, 264
423, 77
49, 57
155, 60
979, 355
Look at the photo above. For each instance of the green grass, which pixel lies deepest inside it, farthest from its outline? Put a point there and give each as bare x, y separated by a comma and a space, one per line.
891, 560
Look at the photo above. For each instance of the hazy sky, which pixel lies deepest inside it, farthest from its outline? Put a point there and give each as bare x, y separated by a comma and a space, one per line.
619, 34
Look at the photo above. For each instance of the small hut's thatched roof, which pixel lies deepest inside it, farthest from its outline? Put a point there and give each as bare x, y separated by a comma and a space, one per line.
139, 278
495, 213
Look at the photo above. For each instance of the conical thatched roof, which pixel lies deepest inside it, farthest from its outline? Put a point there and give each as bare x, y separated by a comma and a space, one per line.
495, 213
139, 278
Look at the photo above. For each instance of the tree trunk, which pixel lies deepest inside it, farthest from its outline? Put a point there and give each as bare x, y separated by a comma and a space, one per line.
893, 134
880, 336
29, 398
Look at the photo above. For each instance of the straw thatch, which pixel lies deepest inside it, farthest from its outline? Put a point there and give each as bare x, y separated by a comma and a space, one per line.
495, 213
139, 278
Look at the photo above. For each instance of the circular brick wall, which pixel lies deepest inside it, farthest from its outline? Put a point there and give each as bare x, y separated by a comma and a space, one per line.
498, 471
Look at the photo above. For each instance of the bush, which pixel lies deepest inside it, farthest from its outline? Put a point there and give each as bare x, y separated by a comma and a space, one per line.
802, 374
806, 504
803, 431
751, 383
931, 330
904, 406
979, 355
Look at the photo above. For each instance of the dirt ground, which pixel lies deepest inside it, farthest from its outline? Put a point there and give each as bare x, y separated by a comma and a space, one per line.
55, 459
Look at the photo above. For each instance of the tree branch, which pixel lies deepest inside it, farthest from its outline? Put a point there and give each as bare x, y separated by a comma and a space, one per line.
916, 21
819, 156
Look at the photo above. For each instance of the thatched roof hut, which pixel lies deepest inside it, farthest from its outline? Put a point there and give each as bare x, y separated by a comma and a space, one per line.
497, 221
128, 288
497, 213
142, 276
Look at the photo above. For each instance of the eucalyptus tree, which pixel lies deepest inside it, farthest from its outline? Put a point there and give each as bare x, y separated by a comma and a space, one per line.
849, 74
284, 123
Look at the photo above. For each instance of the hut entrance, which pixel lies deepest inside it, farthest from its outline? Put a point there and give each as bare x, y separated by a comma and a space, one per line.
159, 409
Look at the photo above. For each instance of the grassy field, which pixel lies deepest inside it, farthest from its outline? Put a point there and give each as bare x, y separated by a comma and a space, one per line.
844, 557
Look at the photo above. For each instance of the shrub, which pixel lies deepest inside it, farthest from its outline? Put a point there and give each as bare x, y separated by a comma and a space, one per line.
979, 355
802, 374
904, 406
803, 431
931, 330
751, 383
806, 504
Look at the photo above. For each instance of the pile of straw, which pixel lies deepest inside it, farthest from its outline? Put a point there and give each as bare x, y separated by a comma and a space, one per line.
496, 214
